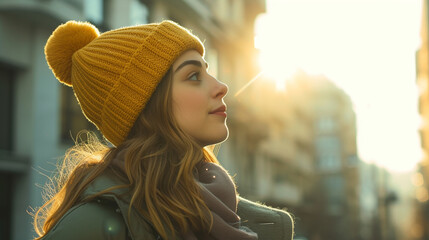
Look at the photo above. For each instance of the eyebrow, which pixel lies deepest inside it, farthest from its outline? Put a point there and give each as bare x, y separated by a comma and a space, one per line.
191, 62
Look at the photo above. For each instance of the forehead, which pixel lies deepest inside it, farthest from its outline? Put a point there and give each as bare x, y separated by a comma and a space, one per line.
188, 55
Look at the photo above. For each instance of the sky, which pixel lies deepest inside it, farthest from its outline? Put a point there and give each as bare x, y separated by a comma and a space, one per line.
367, 47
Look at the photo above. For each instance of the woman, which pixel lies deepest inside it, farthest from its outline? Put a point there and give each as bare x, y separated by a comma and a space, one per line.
147, 90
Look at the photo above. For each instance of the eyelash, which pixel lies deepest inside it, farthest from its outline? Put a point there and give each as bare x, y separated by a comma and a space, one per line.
195, 74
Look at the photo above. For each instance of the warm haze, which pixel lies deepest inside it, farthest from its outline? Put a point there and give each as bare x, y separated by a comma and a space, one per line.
365, 47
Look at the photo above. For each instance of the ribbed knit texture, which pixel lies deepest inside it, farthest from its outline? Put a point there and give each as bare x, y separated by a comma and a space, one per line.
114, 74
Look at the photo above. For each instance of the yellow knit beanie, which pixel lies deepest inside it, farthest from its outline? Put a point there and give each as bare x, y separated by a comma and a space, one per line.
114, 74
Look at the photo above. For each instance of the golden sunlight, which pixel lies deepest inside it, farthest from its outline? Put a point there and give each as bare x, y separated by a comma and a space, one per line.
365, 47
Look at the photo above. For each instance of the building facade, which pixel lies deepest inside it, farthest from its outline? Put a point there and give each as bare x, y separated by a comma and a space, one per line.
420, 229
40, 116
298, 149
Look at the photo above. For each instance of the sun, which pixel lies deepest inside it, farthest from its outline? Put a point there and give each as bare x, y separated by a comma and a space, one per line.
274, 63
284, 48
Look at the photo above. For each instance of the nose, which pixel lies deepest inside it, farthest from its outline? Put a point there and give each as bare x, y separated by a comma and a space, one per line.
221, 89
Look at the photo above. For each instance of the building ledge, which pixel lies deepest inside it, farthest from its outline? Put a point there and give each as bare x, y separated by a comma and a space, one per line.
10, 162
42, 12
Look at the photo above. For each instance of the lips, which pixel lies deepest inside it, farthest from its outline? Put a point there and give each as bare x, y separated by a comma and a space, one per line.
220, 111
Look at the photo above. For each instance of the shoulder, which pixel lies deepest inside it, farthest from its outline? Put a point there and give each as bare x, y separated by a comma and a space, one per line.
269, 223
94, 220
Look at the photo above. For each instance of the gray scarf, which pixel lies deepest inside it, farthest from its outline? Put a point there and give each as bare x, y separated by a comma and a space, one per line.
218, 191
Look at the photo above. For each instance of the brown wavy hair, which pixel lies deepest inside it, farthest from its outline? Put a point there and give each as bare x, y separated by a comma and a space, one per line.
159, 167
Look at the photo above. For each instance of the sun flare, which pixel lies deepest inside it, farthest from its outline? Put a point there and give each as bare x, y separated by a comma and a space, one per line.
371, 58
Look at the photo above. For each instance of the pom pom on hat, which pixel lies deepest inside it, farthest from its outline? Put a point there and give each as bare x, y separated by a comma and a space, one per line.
63, 43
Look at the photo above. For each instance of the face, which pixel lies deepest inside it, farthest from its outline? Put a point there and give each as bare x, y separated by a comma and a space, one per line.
198, 104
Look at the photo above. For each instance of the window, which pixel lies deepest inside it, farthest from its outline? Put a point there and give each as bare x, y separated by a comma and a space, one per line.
328, 152
5, 204
334, 186
6, 108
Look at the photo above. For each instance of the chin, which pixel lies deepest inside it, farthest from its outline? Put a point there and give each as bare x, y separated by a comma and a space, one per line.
221, 136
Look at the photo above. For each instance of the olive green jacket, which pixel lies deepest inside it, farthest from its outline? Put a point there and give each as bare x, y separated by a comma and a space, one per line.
106, 218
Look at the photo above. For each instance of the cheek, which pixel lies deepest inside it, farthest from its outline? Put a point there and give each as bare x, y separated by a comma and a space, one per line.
189, 105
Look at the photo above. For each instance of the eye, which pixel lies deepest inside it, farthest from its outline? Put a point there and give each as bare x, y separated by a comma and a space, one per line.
194, 76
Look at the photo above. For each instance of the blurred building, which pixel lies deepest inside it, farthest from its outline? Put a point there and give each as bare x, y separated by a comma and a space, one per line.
378, 197
400, 201
39, 116
421, 227
299, 151
369, 204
